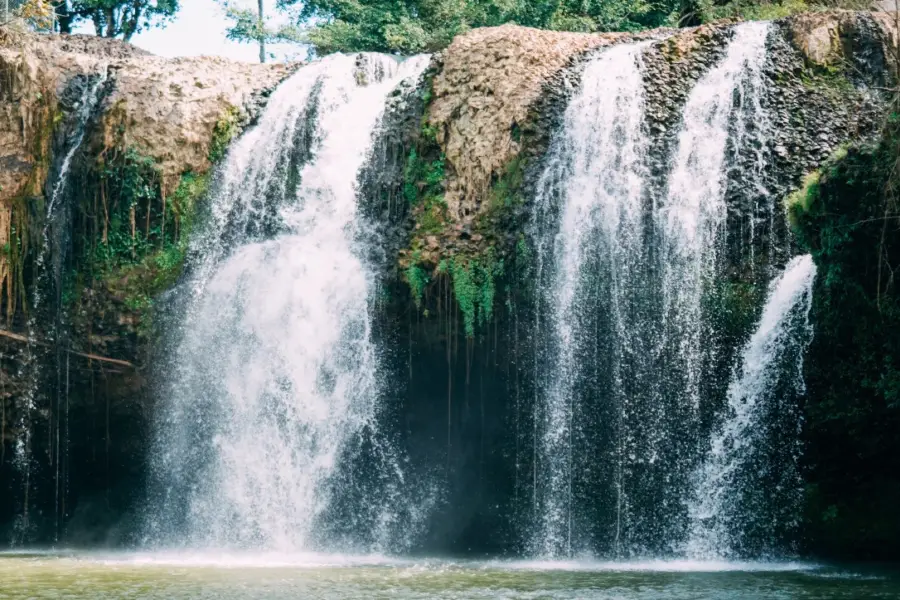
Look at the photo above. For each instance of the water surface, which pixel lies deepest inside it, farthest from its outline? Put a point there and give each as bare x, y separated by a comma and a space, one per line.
239, 577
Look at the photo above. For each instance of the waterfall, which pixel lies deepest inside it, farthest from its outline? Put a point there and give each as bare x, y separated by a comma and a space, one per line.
625, 278
692, 216
48, 279
689, 226
750, 476
594, 180
276, 377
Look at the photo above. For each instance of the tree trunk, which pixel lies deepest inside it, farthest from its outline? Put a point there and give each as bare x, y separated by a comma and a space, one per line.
110, 23
262, 34
97, 18
63, 16
134, 21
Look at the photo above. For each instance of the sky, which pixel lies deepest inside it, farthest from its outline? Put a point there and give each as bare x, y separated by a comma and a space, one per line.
199, 29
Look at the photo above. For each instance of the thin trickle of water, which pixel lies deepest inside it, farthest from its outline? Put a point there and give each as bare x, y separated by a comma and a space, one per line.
48, 277
752, 130
738, 465
277, 374
594, 181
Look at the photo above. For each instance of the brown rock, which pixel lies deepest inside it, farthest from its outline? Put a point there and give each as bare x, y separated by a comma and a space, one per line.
490, 79
167, 109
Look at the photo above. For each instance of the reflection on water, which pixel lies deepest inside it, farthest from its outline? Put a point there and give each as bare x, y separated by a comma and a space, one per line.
238, 576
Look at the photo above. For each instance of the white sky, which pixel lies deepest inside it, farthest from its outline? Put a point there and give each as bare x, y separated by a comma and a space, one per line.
199, 29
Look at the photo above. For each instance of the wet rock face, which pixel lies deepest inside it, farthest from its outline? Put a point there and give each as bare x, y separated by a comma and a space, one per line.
672, 67
170, 113
816, 108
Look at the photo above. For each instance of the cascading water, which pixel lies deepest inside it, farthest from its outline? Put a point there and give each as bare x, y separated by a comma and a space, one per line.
626, 278
48, 280
750, 478
693, 215
277, 377
595, 176
690, 228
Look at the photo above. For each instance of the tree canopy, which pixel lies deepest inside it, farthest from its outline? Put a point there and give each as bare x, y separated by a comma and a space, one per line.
409, 26
116, 18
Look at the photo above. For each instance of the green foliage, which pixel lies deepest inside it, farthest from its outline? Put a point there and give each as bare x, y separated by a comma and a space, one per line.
183, 203
131, 181
474, 286
252, 25
704, 11
423, 183
800, 201
410, 26
225, 130
417, 279
847, 220
506, 192
119, 18
142, 246
423, 178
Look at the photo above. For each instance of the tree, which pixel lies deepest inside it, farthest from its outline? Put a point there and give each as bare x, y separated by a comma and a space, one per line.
119, 18
409, 26
252, 25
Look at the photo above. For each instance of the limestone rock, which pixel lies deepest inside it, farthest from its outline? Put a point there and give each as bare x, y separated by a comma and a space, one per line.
825, 38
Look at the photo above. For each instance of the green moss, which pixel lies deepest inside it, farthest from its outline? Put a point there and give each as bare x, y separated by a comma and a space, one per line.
801, 200
424, 175
828, 79
852, 368
473, 264
183, 202
474, 286
506, 192
225, 130
144, 237
417, 278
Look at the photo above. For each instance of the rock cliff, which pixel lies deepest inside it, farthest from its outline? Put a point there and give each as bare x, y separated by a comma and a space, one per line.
168, 109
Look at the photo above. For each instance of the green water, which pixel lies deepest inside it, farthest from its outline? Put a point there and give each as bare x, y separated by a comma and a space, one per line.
179, 576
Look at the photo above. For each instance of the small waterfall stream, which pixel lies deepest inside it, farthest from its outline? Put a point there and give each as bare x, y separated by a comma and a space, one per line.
276, 375
692, 216
46, 300
690, 225
626, 279
750, 476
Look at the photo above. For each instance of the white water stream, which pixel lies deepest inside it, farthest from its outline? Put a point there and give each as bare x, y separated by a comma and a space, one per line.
716, 508
627, 276
595, 173
277, 374
692, 217
47, 275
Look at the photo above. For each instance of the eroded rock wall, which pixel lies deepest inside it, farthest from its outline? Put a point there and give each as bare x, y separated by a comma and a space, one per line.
168, 109
498, 93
